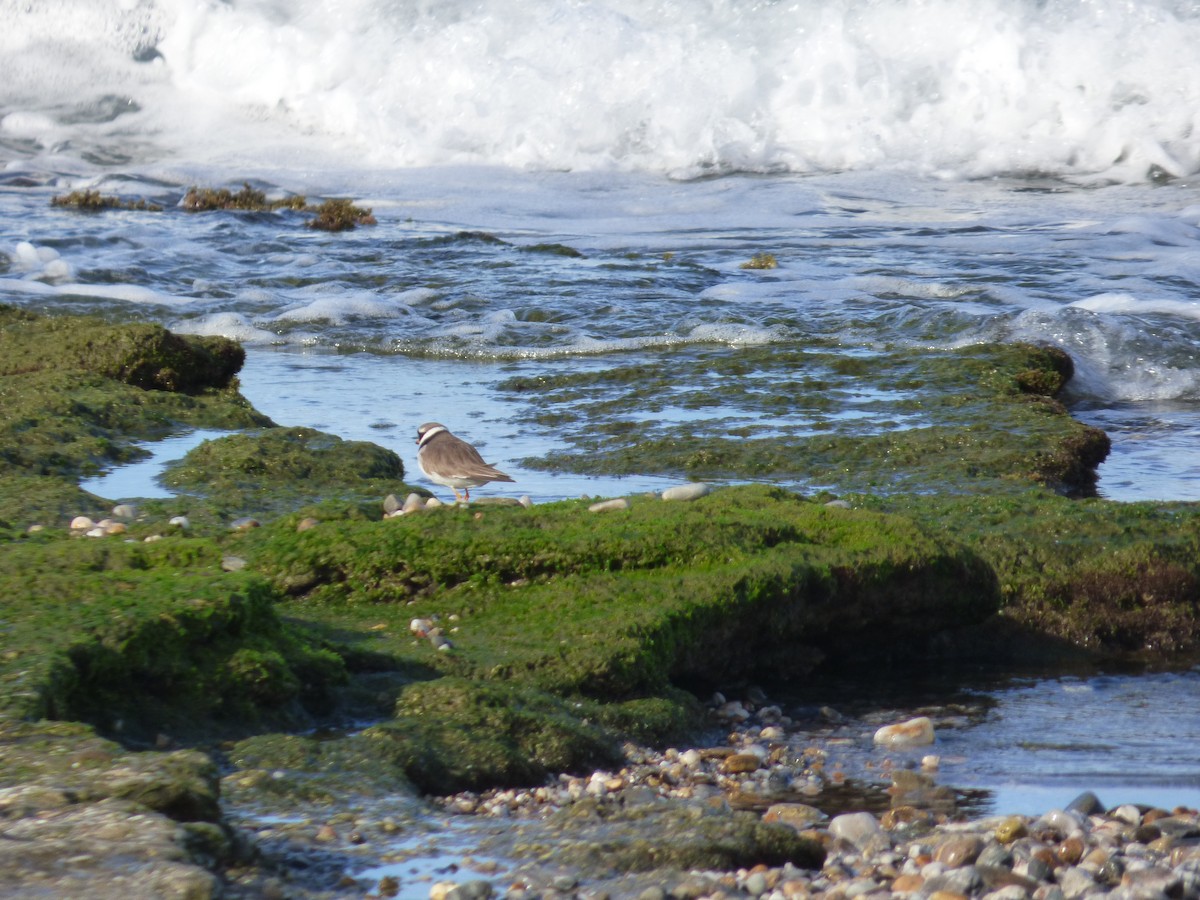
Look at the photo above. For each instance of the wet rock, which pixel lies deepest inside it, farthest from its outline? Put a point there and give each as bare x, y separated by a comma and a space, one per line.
959, 851
741, 763
913, 733
1075, 882
1011, 829
800, 816
860, 830
1086, 804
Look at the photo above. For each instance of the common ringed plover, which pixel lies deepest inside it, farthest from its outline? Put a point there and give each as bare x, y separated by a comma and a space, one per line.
451, 461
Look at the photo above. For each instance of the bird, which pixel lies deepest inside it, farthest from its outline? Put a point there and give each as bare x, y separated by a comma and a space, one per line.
449, 460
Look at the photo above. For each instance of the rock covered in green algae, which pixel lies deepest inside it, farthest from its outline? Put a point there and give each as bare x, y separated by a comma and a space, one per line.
140, 354
80, 816
264, 468
657, 834
981, 418
79, 392
142, 638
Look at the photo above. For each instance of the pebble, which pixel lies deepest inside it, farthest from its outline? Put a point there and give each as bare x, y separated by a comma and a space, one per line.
125, 511
905, 851
232, 563
81, 523
913, 733
413, 503
307, 524
838, 504
390, 504
607, 505
179, 521
245, 523
691, 491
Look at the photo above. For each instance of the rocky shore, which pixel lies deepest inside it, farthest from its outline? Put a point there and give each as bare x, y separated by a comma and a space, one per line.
332, 670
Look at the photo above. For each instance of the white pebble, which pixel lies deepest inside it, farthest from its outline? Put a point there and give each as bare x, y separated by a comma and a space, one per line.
81, 523
912, 733
525, 501
686, 491
179, 521
125, 511
413, 503
606, 505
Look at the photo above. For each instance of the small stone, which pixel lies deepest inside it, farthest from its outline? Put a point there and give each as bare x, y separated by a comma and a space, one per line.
232, 563
608, 505
756, 884
82, 523
799, 816
35, 528
838, 504
391, 504
861, 830
1086, 804
741, 763
307, 524
1011, 829
421, 627
433, 503
325, 834
96, 532
440, 889
116, 528
912, 733
733, 711
525, 501
1075, 882
687, 491
1129, 814
179, 521
245, 523
151, 538
959, 851
413, 503
652, 893
907, 884
125, 511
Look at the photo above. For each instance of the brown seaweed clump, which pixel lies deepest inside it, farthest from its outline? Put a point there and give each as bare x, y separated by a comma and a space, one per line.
94, 201
761, 261
341, 215
247, 199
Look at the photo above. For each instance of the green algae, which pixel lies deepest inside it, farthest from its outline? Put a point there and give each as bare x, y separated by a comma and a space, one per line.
77, 394
335, 214
1110, 578
284, 468
616, 607
655, 834
976, 419
138, 638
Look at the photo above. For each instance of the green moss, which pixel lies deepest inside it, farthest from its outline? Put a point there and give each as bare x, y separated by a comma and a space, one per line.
452, 734
283, 468
616, 607
658, 835
1112, 578
977, 419
146, 637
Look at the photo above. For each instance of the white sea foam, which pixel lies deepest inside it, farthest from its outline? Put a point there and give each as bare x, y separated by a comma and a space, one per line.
1081, 88
226, 324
